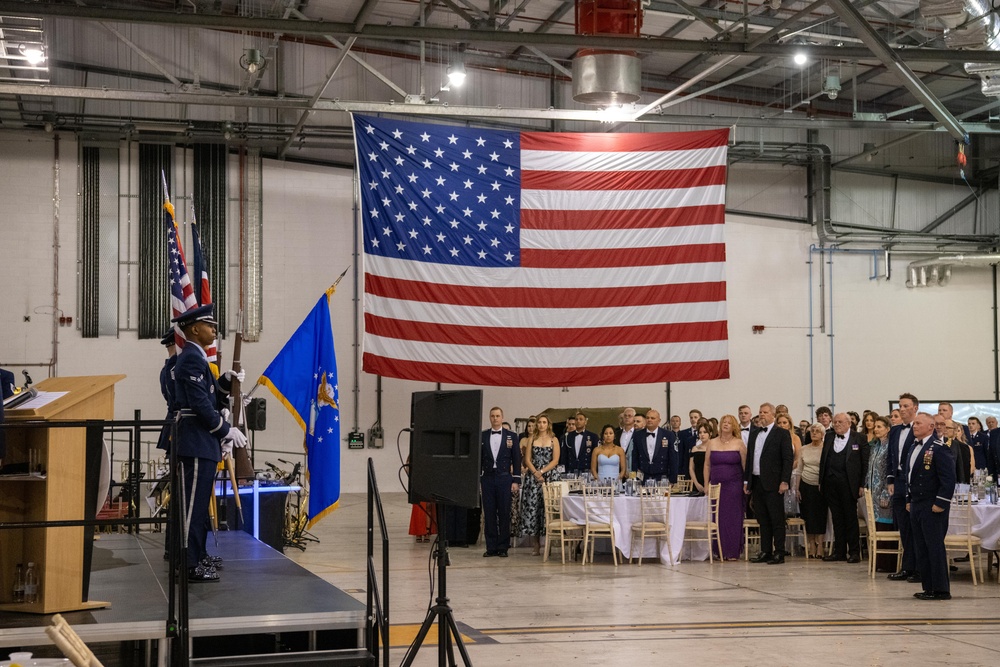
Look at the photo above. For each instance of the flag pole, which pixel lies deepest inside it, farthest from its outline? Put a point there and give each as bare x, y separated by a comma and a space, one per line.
333, 287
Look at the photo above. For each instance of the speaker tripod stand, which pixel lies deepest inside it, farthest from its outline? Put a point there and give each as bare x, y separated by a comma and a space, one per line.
441, 612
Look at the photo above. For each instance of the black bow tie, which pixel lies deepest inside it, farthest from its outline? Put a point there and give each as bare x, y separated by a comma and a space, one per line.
745, 429
496, 431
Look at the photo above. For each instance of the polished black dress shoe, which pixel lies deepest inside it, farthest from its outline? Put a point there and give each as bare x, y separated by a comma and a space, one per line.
777, 560
762, 558
902, 575
502, 554
833, 559
212, 561
932, 595
854, 559
202, 574
961, 559
489, 554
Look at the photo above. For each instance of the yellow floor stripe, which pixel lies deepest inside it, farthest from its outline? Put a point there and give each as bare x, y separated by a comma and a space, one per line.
401, 636
742, 625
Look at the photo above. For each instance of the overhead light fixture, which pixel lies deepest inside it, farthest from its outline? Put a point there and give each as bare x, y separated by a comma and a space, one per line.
33, 53
252, 61
614, 113
800, 58
832, 86
456, 74
154, 127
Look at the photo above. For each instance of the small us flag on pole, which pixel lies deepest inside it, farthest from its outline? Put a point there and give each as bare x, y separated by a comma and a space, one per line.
542, 259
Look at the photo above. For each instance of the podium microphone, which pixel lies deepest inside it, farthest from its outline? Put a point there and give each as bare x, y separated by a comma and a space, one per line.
27, 379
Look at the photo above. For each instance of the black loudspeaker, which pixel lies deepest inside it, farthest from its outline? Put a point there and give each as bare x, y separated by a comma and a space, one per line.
444, 447
257, 414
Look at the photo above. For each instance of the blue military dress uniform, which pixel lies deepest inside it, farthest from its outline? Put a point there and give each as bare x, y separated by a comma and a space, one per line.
167, 382
931, 481
665, 454
497, 476
568, 458
199, 399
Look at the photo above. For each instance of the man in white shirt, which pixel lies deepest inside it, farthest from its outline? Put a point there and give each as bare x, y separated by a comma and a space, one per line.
744, 415
900, 441
842, 469
623, 435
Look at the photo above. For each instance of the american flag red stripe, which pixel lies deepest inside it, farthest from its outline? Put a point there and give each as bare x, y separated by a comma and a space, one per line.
204, 293
535, 259
182, 297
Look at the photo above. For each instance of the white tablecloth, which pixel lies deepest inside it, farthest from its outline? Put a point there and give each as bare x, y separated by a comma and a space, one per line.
985, 524
628, 512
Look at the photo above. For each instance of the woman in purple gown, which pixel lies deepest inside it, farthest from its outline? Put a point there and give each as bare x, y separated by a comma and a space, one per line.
724, 462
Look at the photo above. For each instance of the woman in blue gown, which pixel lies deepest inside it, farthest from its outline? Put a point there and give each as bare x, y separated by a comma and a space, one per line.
608, 459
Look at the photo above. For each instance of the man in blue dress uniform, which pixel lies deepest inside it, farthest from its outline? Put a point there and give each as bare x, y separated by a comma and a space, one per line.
655, 450
167, 382
203, 434
500, 478
900, 440
578, 447
930, 471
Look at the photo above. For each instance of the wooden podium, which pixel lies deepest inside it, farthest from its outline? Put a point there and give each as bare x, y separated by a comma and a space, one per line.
56, 494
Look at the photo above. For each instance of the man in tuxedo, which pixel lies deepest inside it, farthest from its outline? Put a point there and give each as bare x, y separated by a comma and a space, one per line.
655, 450
688, 439
930, 471
947, 410
500, 479
842, 468
578, 445
766, 477
744, 414
623, 435
993, 448
900, 440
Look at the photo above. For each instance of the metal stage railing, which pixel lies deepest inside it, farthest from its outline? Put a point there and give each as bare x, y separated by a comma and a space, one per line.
377, 632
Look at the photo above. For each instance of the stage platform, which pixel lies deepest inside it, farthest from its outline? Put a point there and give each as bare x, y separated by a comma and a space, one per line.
261, 592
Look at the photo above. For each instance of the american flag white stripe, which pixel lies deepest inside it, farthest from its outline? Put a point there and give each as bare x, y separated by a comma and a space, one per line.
535, 259
560, 239
532, 160
542, 357
582, 279
605, 200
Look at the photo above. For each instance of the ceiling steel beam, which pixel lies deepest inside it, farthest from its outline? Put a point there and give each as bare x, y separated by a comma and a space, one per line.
452, 35
853, 18
457, 111
951, 212
315, 98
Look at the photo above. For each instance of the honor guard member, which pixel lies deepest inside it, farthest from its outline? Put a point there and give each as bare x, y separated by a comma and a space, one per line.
500, 479
167, 382
930, 470
6, 391
203, 434
576, 453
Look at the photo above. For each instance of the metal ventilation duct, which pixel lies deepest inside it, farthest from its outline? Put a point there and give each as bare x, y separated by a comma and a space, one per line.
937, 270
602, 77
970, 24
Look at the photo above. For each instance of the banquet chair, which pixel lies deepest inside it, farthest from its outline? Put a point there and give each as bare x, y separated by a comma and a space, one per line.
655, 522
962, 539
880, 537
599, 506
557, 528
795, 526
710, 526
751, 534
682, 485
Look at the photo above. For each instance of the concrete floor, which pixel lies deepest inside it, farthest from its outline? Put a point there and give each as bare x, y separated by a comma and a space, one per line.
525, 612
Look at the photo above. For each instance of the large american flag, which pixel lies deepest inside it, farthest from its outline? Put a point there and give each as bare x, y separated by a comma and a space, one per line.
182, 297
542, 259
203, 293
